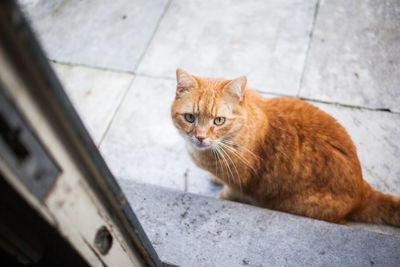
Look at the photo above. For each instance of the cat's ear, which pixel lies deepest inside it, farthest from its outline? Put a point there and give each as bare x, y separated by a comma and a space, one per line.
236, 87
185, 81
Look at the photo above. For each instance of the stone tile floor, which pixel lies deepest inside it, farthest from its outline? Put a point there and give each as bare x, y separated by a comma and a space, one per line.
117, 62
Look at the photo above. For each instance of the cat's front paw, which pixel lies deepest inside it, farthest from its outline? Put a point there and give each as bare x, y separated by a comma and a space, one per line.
224, 194
215, 180
221, 195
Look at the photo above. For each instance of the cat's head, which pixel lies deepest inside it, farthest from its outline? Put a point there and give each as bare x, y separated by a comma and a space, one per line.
208, 111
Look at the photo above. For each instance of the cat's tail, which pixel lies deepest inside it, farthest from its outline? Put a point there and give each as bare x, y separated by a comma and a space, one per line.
379, 208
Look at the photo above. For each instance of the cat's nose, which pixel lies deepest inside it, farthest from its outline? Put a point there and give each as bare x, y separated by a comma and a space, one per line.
200, 138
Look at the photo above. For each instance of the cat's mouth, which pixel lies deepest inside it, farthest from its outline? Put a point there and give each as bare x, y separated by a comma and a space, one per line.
203, 145
195, 144
200, 146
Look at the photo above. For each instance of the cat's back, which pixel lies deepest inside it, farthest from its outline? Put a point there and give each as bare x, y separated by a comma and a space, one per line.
288, 108
296, 112
306, 124
293, 109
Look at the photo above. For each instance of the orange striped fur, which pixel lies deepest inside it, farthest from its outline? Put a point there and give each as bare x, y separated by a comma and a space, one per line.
279, 153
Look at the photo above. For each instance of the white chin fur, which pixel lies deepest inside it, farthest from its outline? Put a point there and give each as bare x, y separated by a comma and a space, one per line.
197, 146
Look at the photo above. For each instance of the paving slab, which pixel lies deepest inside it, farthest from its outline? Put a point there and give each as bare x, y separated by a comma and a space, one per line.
96, 94
100, 33
265, 40
354, 55
191, 230
142, 143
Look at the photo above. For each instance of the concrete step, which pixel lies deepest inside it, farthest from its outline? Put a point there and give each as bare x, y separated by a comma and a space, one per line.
193, 230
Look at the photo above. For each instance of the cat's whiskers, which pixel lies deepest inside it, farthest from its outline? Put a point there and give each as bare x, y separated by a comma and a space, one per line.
240, 155
214, 148
227, 167
216, 158
243, 147
219, 159
234, 165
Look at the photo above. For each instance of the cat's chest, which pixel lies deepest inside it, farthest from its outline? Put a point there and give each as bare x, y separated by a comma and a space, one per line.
204, 159
224, 165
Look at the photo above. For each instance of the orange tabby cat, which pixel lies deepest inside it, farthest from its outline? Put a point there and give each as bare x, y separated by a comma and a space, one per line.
279, 153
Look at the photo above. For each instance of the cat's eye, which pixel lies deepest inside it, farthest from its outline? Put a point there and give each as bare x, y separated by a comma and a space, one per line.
219, 121
189, 117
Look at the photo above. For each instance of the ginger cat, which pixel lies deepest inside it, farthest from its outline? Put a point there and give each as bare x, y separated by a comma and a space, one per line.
279, 153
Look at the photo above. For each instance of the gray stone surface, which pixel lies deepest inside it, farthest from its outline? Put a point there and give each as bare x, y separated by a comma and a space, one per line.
265, 40
191, 230
96, 94
101, 33
142, 143
354, 56
377, 228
